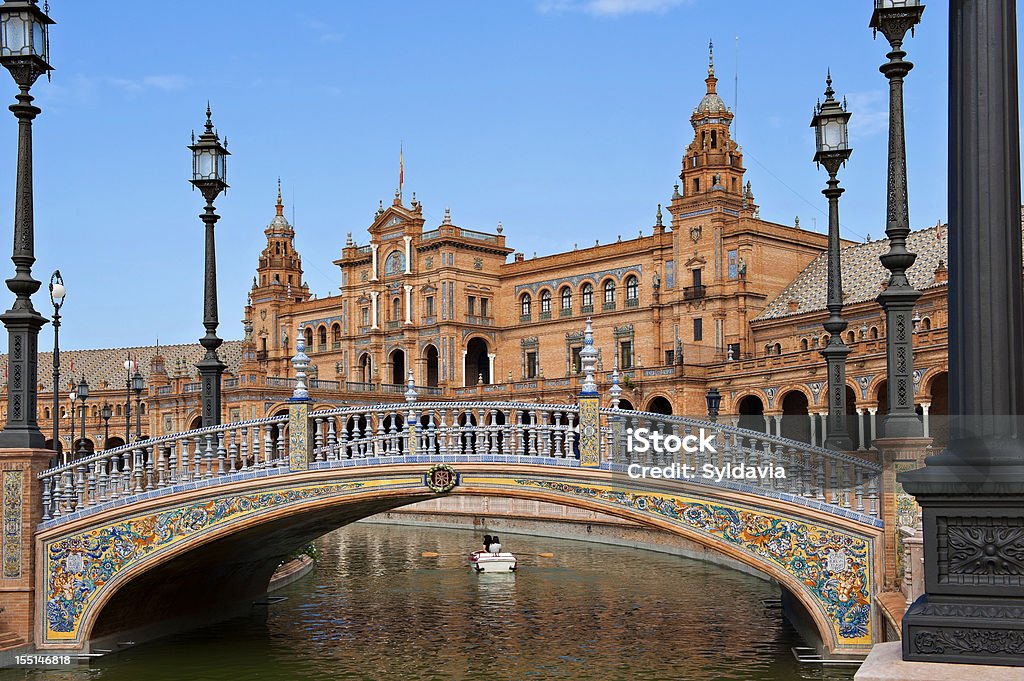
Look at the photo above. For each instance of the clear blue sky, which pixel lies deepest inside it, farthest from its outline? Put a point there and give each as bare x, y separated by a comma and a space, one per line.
564, 119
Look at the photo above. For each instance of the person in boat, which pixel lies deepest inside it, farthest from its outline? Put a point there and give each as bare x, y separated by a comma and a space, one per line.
487, 543
495, 545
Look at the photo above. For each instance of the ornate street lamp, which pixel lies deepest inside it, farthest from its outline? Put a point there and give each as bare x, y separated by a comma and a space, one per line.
106, 412
137, 385
832, 150
83, 395
24, 51
894, 18
57, 293
209, 176
714, 400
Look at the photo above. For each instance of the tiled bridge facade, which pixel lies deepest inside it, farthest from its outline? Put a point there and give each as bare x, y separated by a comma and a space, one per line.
169, 526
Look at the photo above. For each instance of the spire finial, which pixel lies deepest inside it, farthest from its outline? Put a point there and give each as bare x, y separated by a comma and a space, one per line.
209, 117
659, 216
828, 85
711, 59
280, 205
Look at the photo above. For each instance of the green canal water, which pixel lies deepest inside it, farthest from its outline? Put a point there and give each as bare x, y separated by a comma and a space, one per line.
374, 609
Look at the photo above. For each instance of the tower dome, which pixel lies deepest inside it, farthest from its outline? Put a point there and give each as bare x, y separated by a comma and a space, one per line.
711, 103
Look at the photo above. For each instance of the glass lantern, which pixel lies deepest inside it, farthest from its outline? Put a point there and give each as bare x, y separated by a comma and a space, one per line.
24, 35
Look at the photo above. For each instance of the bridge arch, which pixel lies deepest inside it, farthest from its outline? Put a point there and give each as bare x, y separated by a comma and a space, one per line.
251, 527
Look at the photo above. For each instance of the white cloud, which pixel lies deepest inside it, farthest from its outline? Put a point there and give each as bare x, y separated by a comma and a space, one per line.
870, 111
609, 8
165, 83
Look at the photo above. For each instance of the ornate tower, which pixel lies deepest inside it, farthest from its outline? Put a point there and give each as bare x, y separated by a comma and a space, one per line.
712, 165
278, 283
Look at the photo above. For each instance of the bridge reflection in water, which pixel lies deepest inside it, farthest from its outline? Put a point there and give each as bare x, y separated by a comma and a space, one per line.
193, 518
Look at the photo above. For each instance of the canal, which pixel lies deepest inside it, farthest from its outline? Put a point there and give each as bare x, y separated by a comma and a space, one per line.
374, 609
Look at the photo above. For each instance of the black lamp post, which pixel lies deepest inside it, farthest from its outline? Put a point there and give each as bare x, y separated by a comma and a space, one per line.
57, 293
106, 413
209, 176
832, 150
83, 395
972, 494
24, 51
137, 385
714, 400
894, 18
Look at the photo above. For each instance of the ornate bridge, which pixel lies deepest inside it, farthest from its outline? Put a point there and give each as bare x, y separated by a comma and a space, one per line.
193, 519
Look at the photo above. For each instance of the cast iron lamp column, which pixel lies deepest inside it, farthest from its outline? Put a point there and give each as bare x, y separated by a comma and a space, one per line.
83, 395
714, 400
24, 51
57, 293
105, 413
894, 18
209, 176
972, 494
137, 385
832, 150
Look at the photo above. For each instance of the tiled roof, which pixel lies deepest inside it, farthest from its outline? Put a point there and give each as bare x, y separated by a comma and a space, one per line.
863, 274
108, 364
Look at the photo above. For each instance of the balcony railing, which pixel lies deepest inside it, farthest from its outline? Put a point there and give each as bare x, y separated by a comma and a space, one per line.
608, 305
545, 315
632, 302
230, 382
394, 324
430, 321
358, 387
587, 309
565, 312
192, 388
314, 384
165, 390
261, 355
694, 292
525, 318
477, 319
336, 345
363, 249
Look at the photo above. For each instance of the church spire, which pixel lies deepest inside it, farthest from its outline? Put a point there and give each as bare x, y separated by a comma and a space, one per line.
280, 205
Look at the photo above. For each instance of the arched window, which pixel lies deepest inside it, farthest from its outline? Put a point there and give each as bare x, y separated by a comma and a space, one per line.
545, 302
396, 309
609, 292
117, 410
588, 295
632, 288
142, 408
873, 333
322, 333
46, 413
803, 343
926, 323
308, 333
566, 298
778, 348
768, 349
336, 333
525, 305
851, 337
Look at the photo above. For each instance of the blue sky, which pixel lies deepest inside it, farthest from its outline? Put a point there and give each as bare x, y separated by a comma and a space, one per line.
563, 119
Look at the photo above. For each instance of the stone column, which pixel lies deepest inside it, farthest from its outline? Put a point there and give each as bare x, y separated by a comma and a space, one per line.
464, 353
872, 411
373, 309
408, 254
824, 427
862, 433
924, 416
778, 424
972, 494
490, 367
373, 262
408, 302
813, 419
767, 424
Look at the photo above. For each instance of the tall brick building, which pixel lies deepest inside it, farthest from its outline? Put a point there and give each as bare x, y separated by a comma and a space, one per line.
711, 296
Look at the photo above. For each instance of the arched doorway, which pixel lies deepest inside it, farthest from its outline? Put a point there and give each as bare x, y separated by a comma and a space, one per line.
398, 367
659, 405
113, 442
433, 365
478, 366
626, 404
365, 371
795, 423
81, 445
197, 422
751, 411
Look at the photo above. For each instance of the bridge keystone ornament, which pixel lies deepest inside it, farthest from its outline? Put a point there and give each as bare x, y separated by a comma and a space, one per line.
441, 478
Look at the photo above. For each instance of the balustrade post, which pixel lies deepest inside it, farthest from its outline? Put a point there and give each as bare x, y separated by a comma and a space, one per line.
589, 402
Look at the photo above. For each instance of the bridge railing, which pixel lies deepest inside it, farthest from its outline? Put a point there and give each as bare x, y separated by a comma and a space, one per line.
168, 460
458, 428
836, 478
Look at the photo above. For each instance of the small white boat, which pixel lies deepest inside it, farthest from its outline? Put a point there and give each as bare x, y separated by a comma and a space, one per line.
485, 561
